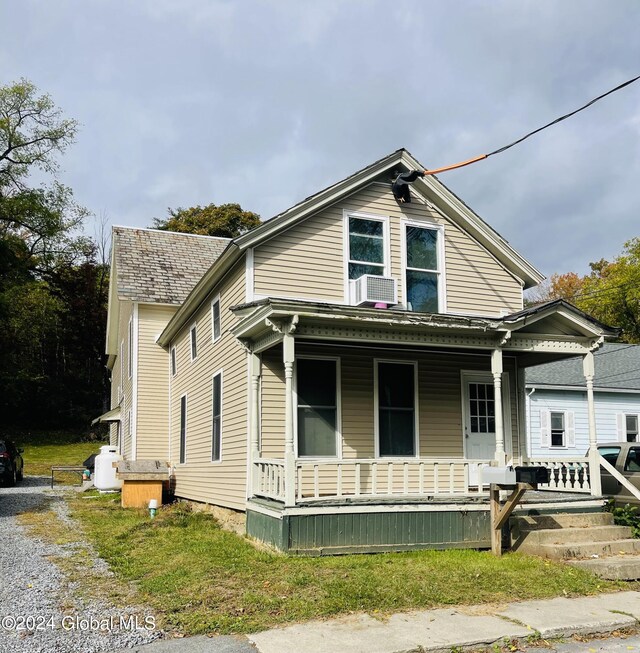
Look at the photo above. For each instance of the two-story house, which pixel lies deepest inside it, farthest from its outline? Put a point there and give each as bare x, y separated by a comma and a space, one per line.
343, 372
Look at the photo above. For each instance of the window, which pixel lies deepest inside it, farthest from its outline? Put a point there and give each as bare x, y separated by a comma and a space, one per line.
216, 434
317, 390
174, 363
130, 349
557, 430
194, 342
632, 463
610, 454
631, 427
396, 409
215, 319
422, 268
367, 247
482, 407
183, 428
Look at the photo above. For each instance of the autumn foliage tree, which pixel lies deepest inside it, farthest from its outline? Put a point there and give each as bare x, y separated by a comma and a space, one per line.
226, 220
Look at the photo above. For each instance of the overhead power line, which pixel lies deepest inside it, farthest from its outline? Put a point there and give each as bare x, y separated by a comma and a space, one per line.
461, 164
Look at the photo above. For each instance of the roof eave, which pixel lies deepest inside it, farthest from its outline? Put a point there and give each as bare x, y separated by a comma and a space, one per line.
199, 293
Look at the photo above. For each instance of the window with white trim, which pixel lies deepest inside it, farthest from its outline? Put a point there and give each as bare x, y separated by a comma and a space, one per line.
183, 428
396, 404
216, 410
317, 390
631, 427
367, 246
557, 429
193, 336
174, 362
423, 268
215, 319
130, 349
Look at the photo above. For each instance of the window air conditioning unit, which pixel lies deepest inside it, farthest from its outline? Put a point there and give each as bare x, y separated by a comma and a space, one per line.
371, 289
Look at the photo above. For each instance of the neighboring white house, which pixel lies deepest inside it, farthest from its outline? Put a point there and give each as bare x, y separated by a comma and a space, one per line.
556, 402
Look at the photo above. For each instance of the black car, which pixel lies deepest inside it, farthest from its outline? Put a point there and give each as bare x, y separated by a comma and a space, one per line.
11, 463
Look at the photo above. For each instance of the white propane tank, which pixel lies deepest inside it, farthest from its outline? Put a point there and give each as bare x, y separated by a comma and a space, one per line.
105, 473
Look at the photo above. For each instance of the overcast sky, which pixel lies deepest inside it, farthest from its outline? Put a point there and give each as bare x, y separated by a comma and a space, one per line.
185, 102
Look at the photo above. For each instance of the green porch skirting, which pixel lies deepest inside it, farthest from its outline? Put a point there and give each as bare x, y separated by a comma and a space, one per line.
373, 530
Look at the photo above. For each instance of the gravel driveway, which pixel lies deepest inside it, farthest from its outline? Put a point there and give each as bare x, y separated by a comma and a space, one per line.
33, 590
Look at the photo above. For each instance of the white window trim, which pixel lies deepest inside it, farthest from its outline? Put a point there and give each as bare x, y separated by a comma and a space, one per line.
215, 300
193, 328
345, 246
564, 444
130, 348
339, 442
186, 422
173, 361
219, 373
626, 431
376, 408
440, 252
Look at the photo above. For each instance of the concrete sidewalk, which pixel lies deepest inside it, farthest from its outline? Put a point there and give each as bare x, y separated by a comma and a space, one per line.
430, 630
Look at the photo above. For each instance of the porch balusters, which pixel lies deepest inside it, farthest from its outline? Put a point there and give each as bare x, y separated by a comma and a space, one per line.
594, 458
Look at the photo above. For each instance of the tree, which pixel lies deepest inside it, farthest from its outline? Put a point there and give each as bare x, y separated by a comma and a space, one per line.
226, 220
45, 218
610, 292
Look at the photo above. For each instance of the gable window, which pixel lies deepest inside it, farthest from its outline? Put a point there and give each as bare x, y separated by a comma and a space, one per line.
174, 363
130, 349
193, 335
423, 268
183, 428
396, 409
367, 246
215, 319
317, 390
216, 431
631, 427
557, 430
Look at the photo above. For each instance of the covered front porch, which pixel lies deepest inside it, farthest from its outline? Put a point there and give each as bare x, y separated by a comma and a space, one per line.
370, 409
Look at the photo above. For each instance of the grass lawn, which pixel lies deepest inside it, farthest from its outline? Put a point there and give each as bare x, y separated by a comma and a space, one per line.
42, 450
201, 579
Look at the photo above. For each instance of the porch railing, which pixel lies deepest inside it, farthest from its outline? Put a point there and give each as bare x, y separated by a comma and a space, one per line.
567, 474
362, 478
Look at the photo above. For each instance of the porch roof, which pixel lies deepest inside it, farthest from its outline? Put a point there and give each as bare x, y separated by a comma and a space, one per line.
554, 328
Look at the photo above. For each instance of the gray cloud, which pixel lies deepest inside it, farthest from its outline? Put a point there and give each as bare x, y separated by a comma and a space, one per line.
192, 101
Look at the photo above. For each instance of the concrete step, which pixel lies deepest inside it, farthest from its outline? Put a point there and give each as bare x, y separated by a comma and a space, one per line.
581, 550
618, 567
562, 520
571, 535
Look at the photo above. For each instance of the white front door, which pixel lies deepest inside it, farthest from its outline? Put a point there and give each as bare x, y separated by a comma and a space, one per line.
480, 419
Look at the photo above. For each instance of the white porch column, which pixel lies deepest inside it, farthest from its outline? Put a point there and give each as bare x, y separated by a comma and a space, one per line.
588, 367
254, 418
288, 355
496, 370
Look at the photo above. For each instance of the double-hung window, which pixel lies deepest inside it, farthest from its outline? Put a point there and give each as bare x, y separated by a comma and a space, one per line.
367, 246
557, 430
193, 336
396, 408
215, 319
216, 434
130, 350
174, 362
631, 427
423, 268
317, 390
183, 428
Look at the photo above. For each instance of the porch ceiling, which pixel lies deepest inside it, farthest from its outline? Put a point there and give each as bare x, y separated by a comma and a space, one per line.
263, 324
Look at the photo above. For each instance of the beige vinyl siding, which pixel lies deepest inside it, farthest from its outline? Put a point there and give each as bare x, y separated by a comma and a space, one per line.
221, 483
120, 378
439, 404
307, 261
152, 428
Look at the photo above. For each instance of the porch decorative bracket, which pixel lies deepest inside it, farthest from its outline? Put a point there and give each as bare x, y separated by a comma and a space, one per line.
597, 344
245, 343
283, 326
505, 338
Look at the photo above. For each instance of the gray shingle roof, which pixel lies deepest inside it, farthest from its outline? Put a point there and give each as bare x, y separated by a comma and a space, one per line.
617, 366
161, 267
